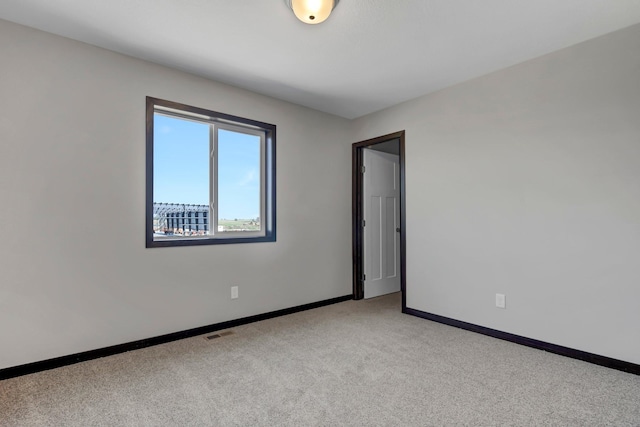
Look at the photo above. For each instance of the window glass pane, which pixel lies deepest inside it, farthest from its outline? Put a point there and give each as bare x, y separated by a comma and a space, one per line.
180, 177
238, 182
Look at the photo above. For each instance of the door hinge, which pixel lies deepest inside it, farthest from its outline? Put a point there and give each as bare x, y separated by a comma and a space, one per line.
364, 277
363, 168
364, 223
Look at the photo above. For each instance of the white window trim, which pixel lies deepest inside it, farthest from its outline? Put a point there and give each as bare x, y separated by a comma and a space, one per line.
213, 187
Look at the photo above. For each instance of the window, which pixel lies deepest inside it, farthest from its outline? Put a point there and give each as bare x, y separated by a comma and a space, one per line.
210, 177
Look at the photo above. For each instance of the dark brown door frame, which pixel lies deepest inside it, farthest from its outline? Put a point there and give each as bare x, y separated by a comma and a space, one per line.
357, 214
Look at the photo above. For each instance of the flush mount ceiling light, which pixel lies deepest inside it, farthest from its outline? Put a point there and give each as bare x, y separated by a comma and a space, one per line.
312, 11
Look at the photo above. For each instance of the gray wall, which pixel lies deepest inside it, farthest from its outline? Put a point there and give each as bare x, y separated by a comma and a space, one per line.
75, 272
527, 182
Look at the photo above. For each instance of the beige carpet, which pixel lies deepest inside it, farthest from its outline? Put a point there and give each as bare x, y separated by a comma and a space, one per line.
357, 363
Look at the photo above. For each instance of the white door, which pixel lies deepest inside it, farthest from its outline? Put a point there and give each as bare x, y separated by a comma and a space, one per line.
382, 218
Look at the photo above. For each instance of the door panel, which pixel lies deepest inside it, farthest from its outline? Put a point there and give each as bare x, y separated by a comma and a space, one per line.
381, 213
390, 229
376, 238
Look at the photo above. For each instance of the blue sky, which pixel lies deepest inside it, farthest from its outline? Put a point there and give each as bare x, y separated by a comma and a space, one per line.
181, 167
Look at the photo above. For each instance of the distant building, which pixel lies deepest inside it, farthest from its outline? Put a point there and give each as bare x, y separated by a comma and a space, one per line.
171, 217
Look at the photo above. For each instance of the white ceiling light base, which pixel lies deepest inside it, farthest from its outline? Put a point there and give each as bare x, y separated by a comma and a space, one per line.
312, 11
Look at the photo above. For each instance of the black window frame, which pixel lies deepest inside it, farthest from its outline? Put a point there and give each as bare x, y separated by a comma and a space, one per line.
268, 197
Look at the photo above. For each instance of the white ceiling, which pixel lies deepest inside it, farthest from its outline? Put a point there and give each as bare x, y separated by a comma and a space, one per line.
370, 54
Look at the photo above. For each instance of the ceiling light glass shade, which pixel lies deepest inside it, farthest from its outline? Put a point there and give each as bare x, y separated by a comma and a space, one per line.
312, 11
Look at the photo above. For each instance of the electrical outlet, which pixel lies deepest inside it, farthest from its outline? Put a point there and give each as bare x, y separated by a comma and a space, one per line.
234, 292
501, 301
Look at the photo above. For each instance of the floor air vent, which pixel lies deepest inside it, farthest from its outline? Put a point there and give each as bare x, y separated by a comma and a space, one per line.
221, 334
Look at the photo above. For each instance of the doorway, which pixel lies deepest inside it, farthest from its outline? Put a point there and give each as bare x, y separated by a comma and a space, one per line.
378, 201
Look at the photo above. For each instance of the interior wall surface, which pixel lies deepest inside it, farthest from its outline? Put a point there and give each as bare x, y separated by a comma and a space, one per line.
76, 275
526, 182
